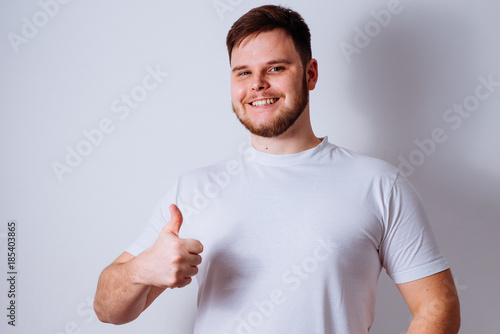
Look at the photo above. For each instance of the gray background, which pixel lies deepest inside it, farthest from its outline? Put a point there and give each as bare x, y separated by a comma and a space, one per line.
64, 78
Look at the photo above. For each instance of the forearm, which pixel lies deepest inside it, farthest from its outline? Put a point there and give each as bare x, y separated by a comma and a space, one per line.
118, 298
436, 318
130, 284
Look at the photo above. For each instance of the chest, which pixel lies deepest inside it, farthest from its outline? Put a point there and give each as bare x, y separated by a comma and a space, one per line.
274, 221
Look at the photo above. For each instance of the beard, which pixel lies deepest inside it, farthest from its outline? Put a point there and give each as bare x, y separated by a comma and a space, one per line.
283, 121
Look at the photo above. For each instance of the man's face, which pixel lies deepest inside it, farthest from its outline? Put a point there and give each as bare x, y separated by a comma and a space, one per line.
268, 83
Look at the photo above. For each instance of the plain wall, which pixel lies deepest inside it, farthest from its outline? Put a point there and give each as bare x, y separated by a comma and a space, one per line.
66, 68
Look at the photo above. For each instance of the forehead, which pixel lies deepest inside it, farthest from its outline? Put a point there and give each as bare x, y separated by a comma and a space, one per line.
264, 47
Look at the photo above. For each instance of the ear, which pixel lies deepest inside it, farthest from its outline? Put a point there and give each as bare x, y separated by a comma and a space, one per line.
312, 73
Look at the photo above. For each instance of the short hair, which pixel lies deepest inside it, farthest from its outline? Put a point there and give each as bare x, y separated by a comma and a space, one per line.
267, 18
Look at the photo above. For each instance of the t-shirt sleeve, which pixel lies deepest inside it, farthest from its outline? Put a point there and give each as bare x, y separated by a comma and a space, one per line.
151, 231
409, 250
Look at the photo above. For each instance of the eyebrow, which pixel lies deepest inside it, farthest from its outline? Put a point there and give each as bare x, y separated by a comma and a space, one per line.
271, 62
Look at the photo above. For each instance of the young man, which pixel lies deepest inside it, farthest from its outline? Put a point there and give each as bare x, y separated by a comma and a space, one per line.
295, 230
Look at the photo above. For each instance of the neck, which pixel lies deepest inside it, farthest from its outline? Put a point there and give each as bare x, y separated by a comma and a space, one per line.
299, 137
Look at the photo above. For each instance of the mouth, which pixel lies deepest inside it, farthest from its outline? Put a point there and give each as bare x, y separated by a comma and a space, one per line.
264, 102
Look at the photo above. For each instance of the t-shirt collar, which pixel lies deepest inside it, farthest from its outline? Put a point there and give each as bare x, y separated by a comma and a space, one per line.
290, 159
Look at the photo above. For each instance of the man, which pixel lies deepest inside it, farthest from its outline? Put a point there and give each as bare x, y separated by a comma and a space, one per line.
295, 230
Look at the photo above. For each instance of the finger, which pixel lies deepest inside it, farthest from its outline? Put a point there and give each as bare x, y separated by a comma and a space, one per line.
193, 259
193, 246
191, 271
182, 283
175, 222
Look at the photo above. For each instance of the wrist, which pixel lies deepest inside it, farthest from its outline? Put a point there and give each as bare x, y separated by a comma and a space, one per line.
136, 273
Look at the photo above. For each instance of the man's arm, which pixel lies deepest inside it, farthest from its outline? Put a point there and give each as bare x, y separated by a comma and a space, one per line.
130, 284
118, 298
433, 302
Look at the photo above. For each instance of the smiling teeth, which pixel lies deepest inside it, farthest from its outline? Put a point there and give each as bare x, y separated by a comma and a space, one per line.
263, 102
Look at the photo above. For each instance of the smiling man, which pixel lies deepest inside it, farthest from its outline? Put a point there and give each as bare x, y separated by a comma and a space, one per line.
279, 92
295, 230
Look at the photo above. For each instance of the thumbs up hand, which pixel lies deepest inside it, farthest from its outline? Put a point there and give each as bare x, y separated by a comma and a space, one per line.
171, 261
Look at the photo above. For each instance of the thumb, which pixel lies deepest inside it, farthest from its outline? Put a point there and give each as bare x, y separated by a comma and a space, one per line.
175, 222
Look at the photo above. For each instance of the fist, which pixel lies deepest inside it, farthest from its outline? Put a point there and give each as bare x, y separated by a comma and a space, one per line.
171, 261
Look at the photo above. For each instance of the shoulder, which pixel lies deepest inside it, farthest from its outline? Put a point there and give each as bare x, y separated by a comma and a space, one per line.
223, 169
363, 166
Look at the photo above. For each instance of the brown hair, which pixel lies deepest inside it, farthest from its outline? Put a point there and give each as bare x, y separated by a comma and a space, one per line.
267, 18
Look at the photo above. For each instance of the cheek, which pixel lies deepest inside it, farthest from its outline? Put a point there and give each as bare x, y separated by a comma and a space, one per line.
237, 92
287, 84
296, 86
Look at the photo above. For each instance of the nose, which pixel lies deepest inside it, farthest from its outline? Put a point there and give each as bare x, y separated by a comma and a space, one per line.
259, 83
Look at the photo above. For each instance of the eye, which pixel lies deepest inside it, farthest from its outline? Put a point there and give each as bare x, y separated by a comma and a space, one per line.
241, 74
276, 69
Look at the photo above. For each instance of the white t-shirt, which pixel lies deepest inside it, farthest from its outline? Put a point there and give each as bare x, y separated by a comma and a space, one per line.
295, 243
